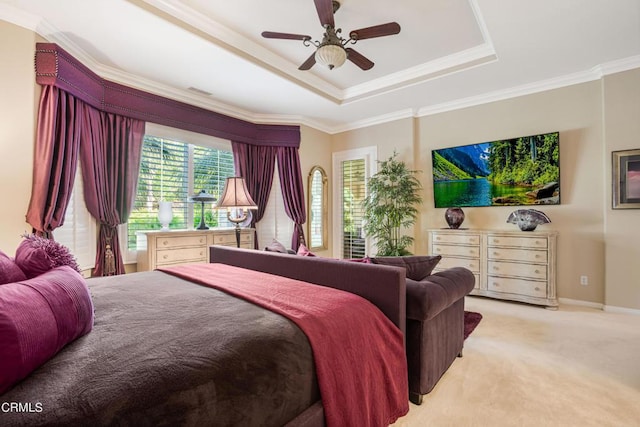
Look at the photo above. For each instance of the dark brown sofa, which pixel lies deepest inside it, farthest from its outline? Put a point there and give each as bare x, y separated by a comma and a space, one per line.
435, 326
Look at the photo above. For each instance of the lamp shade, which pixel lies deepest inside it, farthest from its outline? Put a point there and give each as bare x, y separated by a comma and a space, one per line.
236, 195
331, 55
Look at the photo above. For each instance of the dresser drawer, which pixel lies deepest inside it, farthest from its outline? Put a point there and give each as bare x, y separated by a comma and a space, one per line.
471, 264
532, 271
170, 242
517, 286
523, 242
465, 239
181, 255
526, 255
467, 251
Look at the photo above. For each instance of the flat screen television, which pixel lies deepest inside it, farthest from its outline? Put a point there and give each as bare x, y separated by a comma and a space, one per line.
509, 172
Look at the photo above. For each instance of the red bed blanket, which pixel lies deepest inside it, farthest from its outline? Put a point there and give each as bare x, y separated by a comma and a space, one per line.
359, 354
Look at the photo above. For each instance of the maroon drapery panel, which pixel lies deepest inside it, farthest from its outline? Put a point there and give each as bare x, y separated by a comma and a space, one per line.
55, 159
292, 191
256, 165
110, 155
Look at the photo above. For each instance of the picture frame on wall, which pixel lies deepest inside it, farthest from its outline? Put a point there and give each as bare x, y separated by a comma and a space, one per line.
626, 179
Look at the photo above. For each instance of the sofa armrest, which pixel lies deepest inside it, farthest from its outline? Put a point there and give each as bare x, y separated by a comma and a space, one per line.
428, 297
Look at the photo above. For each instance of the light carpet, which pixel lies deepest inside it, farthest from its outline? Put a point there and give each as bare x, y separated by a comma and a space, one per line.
528, 366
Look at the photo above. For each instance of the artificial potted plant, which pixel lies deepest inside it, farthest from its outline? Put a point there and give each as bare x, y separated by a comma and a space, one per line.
390, 206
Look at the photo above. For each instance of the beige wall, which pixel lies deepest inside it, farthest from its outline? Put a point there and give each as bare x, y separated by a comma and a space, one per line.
18, 106
577, 112
622, 227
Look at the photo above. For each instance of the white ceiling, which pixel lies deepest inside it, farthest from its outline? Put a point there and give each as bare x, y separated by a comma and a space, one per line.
449, 53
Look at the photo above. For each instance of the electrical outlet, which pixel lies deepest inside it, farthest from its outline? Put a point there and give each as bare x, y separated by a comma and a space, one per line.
584, 280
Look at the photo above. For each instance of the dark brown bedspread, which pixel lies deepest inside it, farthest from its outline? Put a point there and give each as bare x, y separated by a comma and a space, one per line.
162, 347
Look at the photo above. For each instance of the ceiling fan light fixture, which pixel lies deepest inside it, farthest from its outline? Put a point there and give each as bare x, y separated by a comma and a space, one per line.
331, 56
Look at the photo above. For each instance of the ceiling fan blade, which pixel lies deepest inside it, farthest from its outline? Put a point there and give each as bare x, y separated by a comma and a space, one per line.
387, 29
358, 59
325, 12
310, 62
286, 36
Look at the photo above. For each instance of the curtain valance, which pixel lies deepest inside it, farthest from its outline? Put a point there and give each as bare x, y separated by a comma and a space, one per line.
56, 67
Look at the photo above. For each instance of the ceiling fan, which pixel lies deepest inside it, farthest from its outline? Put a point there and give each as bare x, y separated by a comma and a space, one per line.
331, 51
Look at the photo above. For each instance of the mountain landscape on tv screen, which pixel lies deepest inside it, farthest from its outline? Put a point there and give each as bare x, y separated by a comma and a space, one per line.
519, 171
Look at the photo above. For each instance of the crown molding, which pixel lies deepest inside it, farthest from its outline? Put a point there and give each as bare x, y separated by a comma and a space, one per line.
469, 58
19, 17
595, 73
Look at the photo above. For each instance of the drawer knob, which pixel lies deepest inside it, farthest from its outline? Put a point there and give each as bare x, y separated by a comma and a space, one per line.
496, 285
537, 271
201, 253
495, 268
164, 242
471, 251
438, 238
537, 256
537, 288
165, 256
496, 253
201, 240
497, 241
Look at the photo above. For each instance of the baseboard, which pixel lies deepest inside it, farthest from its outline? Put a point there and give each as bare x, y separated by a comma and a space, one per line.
598, 306
581, 303
621, 310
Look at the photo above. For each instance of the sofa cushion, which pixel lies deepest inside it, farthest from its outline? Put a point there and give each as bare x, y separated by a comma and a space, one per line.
9, 270
427, 298
36, 255
417, 266
38, 317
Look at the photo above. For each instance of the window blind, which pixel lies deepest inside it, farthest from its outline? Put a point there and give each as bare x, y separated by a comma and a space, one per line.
174, 171
275, 223
78, 233
353, 193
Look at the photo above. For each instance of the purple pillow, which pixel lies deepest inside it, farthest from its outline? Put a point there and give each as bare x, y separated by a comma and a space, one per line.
36, 255
9, 270
38, 317
276, 246
418, 266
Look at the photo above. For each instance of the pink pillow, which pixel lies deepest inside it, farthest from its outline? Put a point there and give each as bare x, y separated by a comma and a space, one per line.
365, 260
35, 255
38, 317
9, 270
304, 251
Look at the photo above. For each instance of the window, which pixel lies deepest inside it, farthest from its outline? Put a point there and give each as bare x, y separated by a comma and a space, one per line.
275, 223
317, 209
351, 170
78, 233
173, 170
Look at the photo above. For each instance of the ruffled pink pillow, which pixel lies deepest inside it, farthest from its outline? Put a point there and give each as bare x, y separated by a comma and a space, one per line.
9, 270
36, 255
38, 317
304, 251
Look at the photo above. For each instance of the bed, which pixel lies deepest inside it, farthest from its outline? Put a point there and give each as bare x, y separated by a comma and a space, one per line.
167, 351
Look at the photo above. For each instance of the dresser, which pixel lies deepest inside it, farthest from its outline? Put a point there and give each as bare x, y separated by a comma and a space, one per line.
162, 248
510, 265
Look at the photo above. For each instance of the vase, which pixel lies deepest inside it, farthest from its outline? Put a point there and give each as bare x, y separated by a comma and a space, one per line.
165, 214
454, 217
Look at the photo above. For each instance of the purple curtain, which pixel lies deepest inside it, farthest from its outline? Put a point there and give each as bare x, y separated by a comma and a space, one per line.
55, 159
256, 165
292, 191
110, 155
